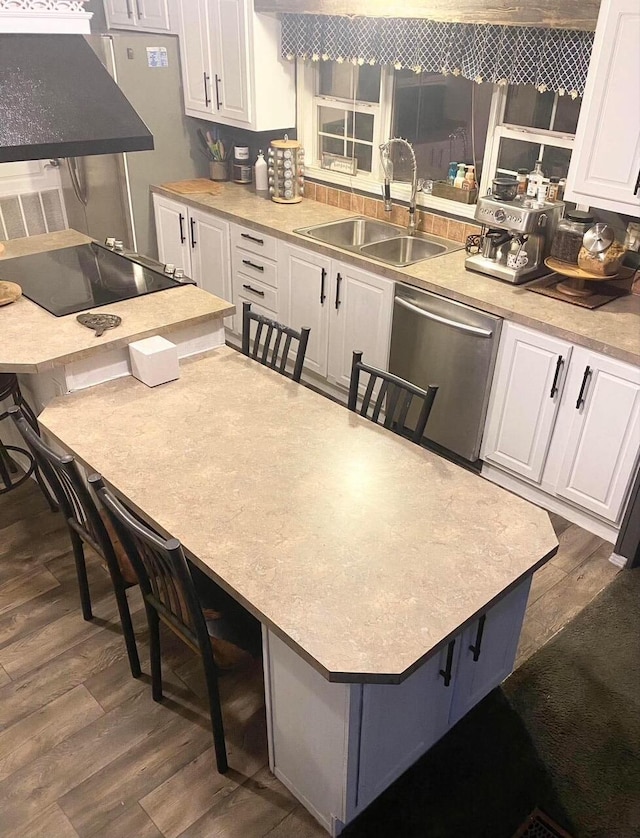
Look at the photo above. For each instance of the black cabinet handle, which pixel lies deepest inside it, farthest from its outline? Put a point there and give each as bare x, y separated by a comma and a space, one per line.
251, 238
446, 672
181, 223
554, 386
253, 265
254, 290
129, 9
207, 98
637, 187
323, 277
218, 99
338, 281
585, 379
138, 9
476, 647
192, 222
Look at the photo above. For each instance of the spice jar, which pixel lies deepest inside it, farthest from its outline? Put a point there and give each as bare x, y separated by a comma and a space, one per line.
523, 179
567, 240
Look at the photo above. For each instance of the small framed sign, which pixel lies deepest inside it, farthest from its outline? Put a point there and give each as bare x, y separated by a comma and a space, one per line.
337, 163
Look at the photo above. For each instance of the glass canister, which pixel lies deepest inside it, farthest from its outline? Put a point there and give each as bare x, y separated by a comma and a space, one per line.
286, 171
567, 241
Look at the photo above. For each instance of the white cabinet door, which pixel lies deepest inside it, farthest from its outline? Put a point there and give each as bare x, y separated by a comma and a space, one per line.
210, 260
604, 437
172, 224
361, 308
119, 13
229, 59
303, 280
605, 163
488, 651
400, 722
193, 29
153, 14
525, 396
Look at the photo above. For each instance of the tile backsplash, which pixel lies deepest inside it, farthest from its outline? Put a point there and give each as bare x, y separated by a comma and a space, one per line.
427, 222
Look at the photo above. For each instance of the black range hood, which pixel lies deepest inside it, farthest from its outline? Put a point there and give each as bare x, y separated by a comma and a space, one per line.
58, 100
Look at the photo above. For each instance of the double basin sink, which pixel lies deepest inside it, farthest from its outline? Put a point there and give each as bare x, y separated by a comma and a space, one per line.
380, 240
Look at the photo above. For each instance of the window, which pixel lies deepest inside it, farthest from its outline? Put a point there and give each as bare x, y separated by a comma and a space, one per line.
346, 111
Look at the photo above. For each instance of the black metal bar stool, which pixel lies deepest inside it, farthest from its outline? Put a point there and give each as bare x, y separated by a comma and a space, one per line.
17, 464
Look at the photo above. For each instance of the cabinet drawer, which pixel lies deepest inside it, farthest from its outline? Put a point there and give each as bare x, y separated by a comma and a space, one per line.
253, 241
255, 267
255, 291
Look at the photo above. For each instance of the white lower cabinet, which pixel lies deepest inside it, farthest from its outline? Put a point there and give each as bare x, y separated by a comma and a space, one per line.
338, 746
197, 242
566, 419
346, 308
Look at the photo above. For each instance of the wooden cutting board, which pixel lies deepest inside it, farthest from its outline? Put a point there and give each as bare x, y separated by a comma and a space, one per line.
9, 292
187, 187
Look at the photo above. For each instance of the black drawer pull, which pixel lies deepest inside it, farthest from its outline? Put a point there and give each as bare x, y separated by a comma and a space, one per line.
323, 277
253, 265
193, 232
446, 672
477, 646
554, 386
254, 290
181, 223
338, 281
251, 238
585, 379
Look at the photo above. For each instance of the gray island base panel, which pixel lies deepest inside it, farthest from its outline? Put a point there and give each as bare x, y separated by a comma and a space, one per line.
391, 584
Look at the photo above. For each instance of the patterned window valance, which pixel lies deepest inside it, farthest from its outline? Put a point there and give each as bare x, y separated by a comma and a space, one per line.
549, 59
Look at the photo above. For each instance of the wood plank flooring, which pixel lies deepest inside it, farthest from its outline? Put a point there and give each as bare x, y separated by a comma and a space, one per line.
86, 753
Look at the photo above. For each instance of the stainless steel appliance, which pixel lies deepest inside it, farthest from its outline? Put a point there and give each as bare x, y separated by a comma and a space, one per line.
443, 342
517, 240
83, 277
108, 195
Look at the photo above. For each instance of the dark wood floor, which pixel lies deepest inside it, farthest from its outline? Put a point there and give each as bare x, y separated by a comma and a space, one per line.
84, 751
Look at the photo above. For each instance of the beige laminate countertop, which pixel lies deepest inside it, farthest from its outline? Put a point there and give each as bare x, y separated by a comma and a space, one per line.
613, 329
32, 340
364, 552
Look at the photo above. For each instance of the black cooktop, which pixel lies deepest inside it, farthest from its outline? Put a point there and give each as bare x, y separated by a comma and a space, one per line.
83, 277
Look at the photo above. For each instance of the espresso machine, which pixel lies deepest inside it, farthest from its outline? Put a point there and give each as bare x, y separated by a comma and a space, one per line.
516, 238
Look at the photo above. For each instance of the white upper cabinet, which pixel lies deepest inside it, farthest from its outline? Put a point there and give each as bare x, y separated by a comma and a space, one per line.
605, 163
142, 15
231, 66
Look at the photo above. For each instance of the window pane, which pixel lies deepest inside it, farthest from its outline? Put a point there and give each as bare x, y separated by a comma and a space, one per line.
331, 121
332, 145
344, 80
363, 155
526, 106
516, 154
567, 113
441, 116
363, 126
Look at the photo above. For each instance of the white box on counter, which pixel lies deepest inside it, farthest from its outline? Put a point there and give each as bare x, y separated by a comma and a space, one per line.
154, 360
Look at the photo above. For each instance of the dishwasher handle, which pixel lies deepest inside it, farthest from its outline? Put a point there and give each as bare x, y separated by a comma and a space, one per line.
462, 327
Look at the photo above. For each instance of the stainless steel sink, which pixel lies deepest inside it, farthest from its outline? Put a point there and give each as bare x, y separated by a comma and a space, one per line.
379, 240
403, 251
352, 233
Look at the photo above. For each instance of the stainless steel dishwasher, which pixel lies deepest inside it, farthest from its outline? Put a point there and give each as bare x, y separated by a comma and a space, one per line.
440, 341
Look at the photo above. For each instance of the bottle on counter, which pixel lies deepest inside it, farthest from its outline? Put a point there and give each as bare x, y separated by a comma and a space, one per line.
523, 179
554, 186
469, 181
459, 180
261, 177
451, 175
536, 176
542, 194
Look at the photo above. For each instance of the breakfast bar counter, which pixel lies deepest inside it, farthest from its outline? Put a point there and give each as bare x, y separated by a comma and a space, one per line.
373, 564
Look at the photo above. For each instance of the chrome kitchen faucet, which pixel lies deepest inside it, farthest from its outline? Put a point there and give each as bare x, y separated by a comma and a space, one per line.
416, 183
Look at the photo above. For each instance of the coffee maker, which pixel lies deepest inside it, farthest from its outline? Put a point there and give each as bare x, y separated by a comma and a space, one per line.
516, 238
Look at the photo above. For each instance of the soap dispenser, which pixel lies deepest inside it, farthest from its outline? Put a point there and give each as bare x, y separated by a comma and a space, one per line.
261, 178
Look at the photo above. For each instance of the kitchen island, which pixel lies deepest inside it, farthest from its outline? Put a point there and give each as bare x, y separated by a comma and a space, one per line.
390, 583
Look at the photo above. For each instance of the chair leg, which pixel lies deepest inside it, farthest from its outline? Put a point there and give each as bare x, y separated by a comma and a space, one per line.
127, 628
154, 651
81, 572
215, 710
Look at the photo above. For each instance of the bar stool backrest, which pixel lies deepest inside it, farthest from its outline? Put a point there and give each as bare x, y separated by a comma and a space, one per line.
273, 353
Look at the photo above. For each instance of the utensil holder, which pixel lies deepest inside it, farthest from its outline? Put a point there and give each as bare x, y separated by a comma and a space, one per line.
219, 170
